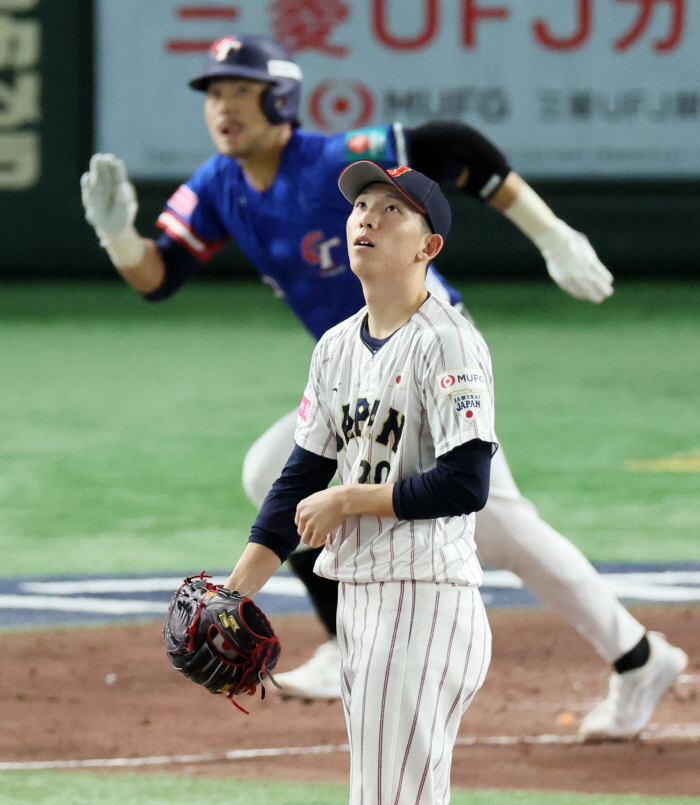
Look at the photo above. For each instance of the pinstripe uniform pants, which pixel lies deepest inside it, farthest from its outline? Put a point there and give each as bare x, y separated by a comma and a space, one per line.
413, 654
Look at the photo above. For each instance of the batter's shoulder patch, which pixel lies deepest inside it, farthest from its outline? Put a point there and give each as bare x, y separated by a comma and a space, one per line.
183, 202
368, 143
466, 378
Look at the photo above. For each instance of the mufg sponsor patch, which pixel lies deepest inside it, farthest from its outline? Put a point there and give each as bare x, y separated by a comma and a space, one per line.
465, 379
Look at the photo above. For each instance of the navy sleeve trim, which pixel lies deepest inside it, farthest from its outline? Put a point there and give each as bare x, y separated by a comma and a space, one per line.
304, 473
458, 484
443, 150
179, 264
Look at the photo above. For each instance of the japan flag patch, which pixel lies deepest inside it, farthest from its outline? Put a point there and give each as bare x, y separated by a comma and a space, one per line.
399, 380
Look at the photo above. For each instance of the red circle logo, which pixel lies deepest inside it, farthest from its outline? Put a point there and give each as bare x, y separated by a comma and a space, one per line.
470, 414
398, 380
447, 381
342, 105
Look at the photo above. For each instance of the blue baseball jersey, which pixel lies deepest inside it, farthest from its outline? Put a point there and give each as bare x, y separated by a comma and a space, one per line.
293, 232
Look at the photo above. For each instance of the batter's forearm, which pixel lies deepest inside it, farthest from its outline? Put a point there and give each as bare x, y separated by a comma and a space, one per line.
508, 192
524, 207
255, 567
149, 273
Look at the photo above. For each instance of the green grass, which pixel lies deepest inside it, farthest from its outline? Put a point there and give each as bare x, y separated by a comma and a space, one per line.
61, 788
582, 388
123, 425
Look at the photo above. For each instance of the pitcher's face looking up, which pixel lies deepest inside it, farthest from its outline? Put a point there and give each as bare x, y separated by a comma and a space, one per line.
385, 232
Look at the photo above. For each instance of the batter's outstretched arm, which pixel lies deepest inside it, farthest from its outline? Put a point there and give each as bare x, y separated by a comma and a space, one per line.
454, 151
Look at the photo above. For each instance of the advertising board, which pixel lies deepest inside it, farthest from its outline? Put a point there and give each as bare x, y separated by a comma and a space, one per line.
567, 88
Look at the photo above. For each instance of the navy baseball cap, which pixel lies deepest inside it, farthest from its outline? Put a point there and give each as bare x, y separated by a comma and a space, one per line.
422, 192
255, 57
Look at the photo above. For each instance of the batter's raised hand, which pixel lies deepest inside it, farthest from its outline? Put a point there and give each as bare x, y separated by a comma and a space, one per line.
109, 197
573, 264
110, 205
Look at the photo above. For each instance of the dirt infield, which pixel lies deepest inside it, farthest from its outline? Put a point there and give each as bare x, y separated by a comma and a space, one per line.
107, 693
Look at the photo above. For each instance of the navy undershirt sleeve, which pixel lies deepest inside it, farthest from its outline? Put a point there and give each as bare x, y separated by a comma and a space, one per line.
443, 149
303, 474
180, 265
458, 484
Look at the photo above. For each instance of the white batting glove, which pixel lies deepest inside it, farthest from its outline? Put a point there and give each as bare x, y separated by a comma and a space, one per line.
110, 205
573, 264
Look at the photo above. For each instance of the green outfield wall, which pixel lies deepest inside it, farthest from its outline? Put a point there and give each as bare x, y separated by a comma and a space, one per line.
640, 228
45, 136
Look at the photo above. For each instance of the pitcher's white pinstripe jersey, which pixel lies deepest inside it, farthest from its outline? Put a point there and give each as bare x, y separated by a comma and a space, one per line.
387, 416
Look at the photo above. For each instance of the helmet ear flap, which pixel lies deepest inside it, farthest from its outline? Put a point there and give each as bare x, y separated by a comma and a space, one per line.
280, 101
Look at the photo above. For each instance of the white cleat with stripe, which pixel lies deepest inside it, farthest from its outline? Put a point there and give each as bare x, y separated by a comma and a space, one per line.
633, 696
318, 678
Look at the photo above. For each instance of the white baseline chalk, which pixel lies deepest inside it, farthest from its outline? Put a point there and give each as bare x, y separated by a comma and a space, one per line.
655, 734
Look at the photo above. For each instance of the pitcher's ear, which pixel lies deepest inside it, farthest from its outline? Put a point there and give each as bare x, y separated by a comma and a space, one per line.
431, 249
